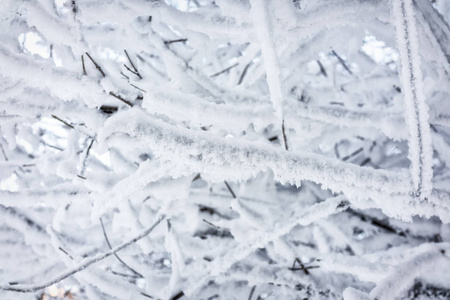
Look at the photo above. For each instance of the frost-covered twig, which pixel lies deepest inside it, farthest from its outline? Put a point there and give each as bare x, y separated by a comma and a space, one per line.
121, 99
225, 70
221, 158
262, 21
62, 121
96, 65
309, 215
115, 254
416, 108
403, 275
83, 264
86, 156
82, 63
132, 65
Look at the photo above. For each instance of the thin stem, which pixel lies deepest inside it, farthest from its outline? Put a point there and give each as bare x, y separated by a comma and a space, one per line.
96, 65
251, 292
342, 62
81, 175
175, 41
3, 152
244, 72
224, 70
115, 254
62, 121
231, 191
134, 67
87, 262
138, 88
121, 99
82, 63
134, 72
283, 131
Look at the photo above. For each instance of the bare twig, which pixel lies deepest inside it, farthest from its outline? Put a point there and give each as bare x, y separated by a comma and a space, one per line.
121, 99
134, 67
251, 292
224, 70
376, 222
83, 168
231, 191
115, 254
3, 152
336, 150
62, 121
134, 72
353, 154
138, 88
65, 252
175, 41
244, 72
322, 69
302, 267
342, 62
284, 136
82, 63
121, 73
96, 65
85, 263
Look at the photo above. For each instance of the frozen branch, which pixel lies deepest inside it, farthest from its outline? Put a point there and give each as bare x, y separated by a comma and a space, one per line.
416, 108
83, 264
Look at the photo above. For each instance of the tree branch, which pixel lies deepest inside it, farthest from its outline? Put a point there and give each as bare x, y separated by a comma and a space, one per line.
96, 65
115, 254
87, 262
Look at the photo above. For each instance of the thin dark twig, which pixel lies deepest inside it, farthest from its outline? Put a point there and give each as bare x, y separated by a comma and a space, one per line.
336, 150
177, 296
62, 121
244, 72
376, 222
211, 224
305, 269
121, 99
3, 152
342, 62
175, 41
96, 65
138, 88
134, 67
231, 191
82, 63
197, 177
148, 296
353, 154
131, 71
284, 136
302, 266
65, 252
115, 254
86, 157
224, 70
121, 73
251, 292
87, 262
322, 68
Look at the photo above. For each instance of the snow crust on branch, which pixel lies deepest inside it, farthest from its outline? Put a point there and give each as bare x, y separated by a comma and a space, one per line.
117, 116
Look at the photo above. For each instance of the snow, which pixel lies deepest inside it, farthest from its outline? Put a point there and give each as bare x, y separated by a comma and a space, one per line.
228, 149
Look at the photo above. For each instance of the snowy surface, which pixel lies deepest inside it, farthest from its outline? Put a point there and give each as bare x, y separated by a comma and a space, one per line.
228, 149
